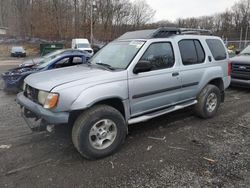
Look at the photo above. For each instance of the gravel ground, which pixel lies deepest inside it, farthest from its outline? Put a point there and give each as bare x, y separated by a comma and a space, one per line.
175, 150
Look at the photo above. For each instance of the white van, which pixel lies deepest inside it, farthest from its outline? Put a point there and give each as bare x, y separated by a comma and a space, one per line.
82, 44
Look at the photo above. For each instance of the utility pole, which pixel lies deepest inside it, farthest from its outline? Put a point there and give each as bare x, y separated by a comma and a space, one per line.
93, 4
241, 32
246, 37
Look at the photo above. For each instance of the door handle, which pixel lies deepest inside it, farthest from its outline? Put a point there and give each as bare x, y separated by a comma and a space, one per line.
175, 74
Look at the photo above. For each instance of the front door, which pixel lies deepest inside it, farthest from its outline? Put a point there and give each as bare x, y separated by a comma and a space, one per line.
158, 88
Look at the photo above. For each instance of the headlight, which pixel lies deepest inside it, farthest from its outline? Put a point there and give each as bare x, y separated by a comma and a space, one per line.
42, 96
48, 100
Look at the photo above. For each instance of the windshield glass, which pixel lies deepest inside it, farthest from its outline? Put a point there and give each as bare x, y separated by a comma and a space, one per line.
83, 45
117, 54
17, 48
246, 51
45, 62
53, 54
47, 59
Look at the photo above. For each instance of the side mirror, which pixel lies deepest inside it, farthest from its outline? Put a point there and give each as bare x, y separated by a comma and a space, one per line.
142, 66
237, 52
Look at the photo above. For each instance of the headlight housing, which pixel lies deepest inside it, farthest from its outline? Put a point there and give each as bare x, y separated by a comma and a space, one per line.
48, 100
42, 96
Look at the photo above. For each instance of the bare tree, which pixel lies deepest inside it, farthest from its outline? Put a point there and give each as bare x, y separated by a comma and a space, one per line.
141, 13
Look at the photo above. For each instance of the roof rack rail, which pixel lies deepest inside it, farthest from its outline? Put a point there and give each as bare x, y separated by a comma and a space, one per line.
162, 32
195, 31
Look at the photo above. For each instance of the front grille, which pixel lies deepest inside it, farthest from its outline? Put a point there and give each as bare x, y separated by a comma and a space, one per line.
31, 93
241, 71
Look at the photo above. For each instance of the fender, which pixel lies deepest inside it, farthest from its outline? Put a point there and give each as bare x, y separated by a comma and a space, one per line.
92, 95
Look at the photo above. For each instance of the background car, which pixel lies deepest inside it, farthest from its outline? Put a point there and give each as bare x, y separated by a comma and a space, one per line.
18, 51
241, 69
51, 55
13, 79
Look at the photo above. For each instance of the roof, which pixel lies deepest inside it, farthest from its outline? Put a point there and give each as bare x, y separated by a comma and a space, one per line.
162, 32
74, 52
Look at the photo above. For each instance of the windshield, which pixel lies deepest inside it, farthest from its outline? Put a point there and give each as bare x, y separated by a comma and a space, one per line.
117, 54
45, 62
17, 48
53, 54
47, 59
83, 45
246, 51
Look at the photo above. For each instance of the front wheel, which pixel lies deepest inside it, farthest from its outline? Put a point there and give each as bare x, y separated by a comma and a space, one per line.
99, 132
208, 102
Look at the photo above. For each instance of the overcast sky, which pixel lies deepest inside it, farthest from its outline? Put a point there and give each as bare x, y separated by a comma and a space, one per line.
173, 9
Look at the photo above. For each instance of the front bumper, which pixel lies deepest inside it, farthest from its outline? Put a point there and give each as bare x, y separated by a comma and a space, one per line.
240, 83
18, 54
12, 85
51, 118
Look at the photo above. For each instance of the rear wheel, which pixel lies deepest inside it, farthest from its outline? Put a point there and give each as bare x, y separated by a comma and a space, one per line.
208, 102
99, 132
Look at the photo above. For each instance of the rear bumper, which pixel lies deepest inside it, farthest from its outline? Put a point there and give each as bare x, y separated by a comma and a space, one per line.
51, 118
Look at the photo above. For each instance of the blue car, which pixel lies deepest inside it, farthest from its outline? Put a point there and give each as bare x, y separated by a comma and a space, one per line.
13, 78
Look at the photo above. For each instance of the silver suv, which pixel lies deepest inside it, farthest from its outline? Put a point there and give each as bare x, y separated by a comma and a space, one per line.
137, 77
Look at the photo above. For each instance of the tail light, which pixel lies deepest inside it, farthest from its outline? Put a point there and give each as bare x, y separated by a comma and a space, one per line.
229, 68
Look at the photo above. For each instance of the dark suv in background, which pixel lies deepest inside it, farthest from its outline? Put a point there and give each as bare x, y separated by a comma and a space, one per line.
241, 69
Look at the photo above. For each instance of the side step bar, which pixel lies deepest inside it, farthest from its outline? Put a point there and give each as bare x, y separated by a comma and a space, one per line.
147, 117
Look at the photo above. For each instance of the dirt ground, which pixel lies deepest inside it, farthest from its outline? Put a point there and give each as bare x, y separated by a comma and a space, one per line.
175, 150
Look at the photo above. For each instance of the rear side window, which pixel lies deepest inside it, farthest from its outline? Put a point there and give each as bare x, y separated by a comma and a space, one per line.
191, 52
217, 49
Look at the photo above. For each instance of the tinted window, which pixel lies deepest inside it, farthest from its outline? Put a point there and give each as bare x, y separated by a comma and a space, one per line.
217, 49
191, 52
200, 52
160, 55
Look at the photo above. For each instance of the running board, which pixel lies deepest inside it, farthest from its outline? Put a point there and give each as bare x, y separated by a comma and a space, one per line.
161, 112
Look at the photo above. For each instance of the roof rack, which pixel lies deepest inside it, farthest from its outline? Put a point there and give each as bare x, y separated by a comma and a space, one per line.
195, 31
162, 32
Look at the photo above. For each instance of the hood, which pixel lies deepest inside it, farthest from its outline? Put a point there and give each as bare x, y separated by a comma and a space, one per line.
80, 74
31, 62
20, 71
245, 59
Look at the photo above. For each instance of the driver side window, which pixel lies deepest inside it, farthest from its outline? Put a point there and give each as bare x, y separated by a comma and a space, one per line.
160, 55
62, 62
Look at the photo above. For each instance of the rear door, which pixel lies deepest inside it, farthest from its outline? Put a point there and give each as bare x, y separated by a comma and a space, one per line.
193, 65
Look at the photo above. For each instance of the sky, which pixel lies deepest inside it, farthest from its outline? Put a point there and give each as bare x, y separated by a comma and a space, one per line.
173, 9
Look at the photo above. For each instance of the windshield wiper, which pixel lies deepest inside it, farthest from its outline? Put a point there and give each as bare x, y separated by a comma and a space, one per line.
106, 65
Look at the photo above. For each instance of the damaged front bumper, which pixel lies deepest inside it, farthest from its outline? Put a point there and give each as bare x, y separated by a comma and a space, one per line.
12, 83
31, 109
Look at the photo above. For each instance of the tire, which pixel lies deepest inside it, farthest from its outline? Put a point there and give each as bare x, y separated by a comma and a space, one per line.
87, 127
208, 102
